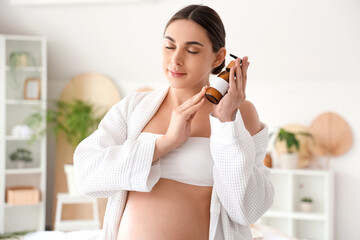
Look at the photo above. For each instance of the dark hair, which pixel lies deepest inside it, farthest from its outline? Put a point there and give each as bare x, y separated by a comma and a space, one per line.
210, 21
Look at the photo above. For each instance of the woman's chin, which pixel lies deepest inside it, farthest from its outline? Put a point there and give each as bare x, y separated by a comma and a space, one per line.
177, 83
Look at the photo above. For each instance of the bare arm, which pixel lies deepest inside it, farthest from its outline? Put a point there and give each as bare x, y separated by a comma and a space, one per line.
162, 147
180, 125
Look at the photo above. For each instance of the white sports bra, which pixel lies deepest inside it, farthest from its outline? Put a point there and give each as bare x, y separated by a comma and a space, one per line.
190, 163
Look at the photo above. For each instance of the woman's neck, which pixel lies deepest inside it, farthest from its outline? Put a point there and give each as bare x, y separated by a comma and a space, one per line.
177, 96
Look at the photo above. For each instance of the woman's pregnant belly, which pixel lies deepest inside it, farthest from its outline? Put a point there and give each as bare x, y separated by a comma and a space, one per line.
172, 210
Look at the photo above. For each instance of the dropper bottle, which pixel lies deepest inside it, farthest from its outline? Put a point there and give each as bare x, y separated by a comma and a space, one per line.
219, 86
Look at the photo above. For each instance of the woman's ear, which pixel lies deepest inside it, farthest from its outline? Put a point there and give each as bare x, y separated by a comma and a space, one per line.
219, 58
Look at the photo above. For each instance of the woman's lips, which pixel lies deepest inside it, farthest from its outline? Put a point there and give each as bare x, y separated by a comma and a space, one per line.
176, 74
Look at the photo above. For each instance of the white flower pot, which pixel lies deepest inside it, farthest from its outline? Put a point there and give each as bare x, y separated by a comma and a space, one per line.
70, 177
20, 164
306, 206
288, 160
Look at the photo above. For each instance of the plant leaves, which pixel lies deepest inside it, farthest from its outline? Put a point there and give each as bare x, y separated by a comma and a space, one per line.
75, 118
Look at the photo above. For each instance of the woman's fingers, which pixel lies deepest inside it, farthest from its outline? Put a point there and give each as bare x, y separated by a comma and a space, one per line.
244, 72
232, 82
239, 76
245, 77
244, 67
190, 112
238, 83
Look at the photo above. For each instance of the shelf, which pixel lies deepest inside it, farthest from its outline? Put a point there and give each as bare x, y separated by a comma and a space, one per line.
23, 102
286, 215
275, 213
296, 215
23, 38
309, 216
14, 110
26, 69
23, 171
311, 172
11, 138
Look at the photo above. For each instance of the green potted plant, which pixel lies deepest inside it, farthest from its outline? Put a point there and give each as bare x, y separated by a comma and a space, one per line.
288, 160
77, 119
20, 157
21, 59
306, 204
18, 59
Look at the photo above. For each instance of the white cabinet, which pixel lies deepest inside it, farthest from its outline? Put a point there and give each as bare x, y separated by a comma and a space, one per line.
286, 214
15, 106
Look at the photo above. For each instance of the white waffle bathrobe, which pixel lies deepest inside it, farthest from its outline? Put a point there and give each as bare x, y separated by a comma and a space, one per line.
112, 161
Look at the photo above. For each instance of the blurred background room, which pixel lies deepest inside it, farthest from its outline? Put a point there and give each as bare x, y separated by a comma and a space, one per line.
303, 80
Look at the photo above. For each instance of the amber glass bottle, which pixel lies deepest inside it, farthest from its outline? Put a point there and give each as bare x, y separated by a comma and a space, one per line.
220, 85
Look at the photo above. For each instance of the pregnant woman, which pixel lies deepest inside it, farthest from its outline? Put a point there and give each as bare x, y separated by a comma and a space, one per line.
173, 165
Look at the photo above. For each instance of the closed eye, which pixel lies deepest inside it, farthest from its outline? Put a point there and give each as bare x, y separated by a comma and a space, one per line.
192, 52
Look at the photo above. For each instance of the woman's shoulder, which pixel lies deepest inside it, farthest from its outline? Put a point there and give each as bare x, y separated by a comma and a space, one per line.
137, 98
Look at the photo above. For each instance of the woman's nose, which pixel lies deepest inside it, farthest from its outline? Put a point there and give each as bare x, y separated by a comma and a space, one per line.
177, 58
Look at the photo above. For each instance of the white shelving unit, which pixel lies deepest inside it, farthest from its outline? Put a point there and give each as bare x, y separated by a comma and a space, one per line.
14, 109
286, 215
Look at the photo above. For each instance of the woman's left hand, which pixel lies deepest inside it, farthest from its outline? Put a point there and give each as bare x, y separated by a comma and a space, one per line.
235, 95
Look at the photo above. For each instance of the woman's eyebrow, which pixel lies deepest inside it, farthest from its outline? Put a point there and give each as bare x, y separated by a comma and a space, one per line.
187, 43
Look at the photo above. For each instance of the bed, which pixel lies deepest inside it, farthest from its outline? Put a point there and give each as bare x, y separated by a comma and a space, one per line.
260, 232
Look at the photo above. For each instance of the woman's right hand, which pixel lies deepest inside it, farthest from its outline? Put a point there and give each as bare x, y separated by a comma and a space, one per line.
179, 128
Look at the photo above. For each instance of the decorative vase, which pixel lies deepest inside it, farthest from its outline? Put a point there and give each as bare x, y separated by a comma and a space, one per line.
20, 164
22, 131
71, 182
306, 206
288, 160
22, 60
268, 160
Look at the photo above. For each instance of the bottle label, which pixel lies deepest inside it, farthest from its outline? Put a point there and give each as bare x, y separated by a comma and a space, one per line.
220, 84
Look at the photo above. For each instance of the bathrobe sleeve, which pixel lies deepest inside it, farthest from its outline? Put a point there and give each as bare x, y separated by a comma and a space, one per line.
240, 178
107, 161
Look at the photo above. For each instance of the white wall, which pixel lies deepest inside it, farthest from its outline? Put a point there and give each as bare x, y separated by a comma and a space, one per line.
304, 56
